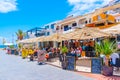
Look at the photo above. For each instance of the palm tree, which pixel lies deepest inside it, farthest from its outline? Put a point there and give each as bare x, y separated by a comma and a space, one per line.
20, 34
106, 48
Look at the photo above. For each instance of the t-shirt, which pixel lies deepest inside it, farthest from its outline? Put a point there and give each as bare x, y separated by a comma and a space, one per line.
31, 51
78, 51
8, 48
114, 56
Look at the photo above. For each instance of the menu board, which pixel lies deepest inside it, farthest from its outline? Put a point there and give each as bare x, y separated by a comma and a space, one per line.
96, 65
70, 63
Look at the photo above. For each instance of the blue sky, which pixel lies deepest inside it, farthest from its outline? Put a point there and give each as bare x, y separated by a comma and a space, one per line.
27, 14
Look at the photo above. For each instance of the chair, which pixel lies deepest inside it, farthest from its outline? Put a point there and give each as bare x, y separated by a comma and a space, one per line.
117, 62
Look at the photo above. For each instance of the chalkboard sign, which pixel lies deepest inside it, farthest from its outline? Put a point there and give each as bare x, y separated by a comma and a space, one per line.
70, 63
96, 65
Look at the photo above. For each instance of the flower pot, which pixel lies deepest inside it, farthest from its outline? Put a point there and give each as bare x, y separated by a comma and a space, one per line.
107, 71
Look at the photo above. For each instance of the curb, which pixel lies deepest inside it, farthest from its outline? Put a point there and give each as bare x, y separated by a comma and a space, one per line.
53, 65
61, 67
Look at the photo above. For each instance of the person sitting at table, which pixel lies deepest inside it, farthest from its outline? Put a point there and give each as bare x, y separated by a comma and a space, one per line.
35, 53
31, 53
78, 52
86, 50
89, 51
114, 58
73, 52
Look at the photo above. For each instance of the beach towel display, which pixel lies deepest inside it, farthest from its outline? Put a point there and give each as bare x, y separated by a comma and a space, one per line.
26, 52
41, 56
31, 52
23, 53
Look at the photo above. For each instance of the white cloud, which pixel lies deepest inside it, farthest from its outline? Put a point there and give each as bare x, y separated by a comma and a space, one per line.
8, 5
84, 6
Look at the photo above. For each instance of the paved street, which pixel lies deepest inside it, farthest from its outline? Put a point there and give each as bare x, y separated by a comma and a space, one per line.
14, 68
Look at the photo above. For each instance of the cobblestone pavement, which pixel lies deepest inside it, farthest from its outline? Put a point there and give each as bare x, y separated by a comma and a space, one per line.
14, 68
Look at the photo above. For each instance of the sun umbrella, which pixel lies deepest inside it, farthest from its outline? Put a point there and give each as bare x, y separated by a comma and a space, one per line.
41, 39
86, 33
112, 30
90, 33
54, 37
8, 44
68, 36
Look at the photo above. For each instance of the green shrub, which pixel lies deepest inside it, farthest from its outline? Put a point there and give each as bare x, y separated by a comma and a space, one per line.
11, 46
64, 49
106, 47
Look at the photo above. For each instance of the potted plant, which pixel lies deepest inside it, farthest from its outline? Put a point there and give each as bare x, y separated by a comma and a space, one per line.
106, 47
64, 50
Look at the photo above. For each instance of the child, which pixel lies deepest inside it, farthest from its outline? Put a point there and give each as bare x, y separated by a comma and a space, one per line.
47, 56
31, 57
35, 53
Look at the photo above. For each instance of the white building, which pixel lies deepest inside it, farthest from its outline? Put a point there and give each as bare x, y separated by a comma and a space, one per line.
114, 12
50, 28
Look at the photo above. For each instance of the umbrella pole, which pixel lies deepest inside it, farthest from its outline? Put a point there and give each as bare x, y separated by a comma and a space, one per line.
116, 42
60, 46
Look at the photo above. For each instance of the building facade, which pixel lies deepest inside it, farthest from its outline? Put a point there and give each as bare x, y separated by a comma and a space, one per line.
71, 23
99, 18
115, 12
35, 32
50, 28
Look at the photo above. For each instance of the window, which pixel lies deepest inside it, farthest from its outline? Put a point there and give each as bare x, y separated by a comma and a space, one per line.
102, 24
52, 26
85, 22
107, 15
99, 18
48, 33
46, 27
89, 20
118, 38
74, 24
70, 28
106, 12
66, 28
57, 28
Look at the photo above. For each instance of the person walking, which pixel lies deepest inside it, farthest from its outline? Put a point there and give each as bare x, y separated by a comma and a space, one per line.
31, 53
8, 50
35, 53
